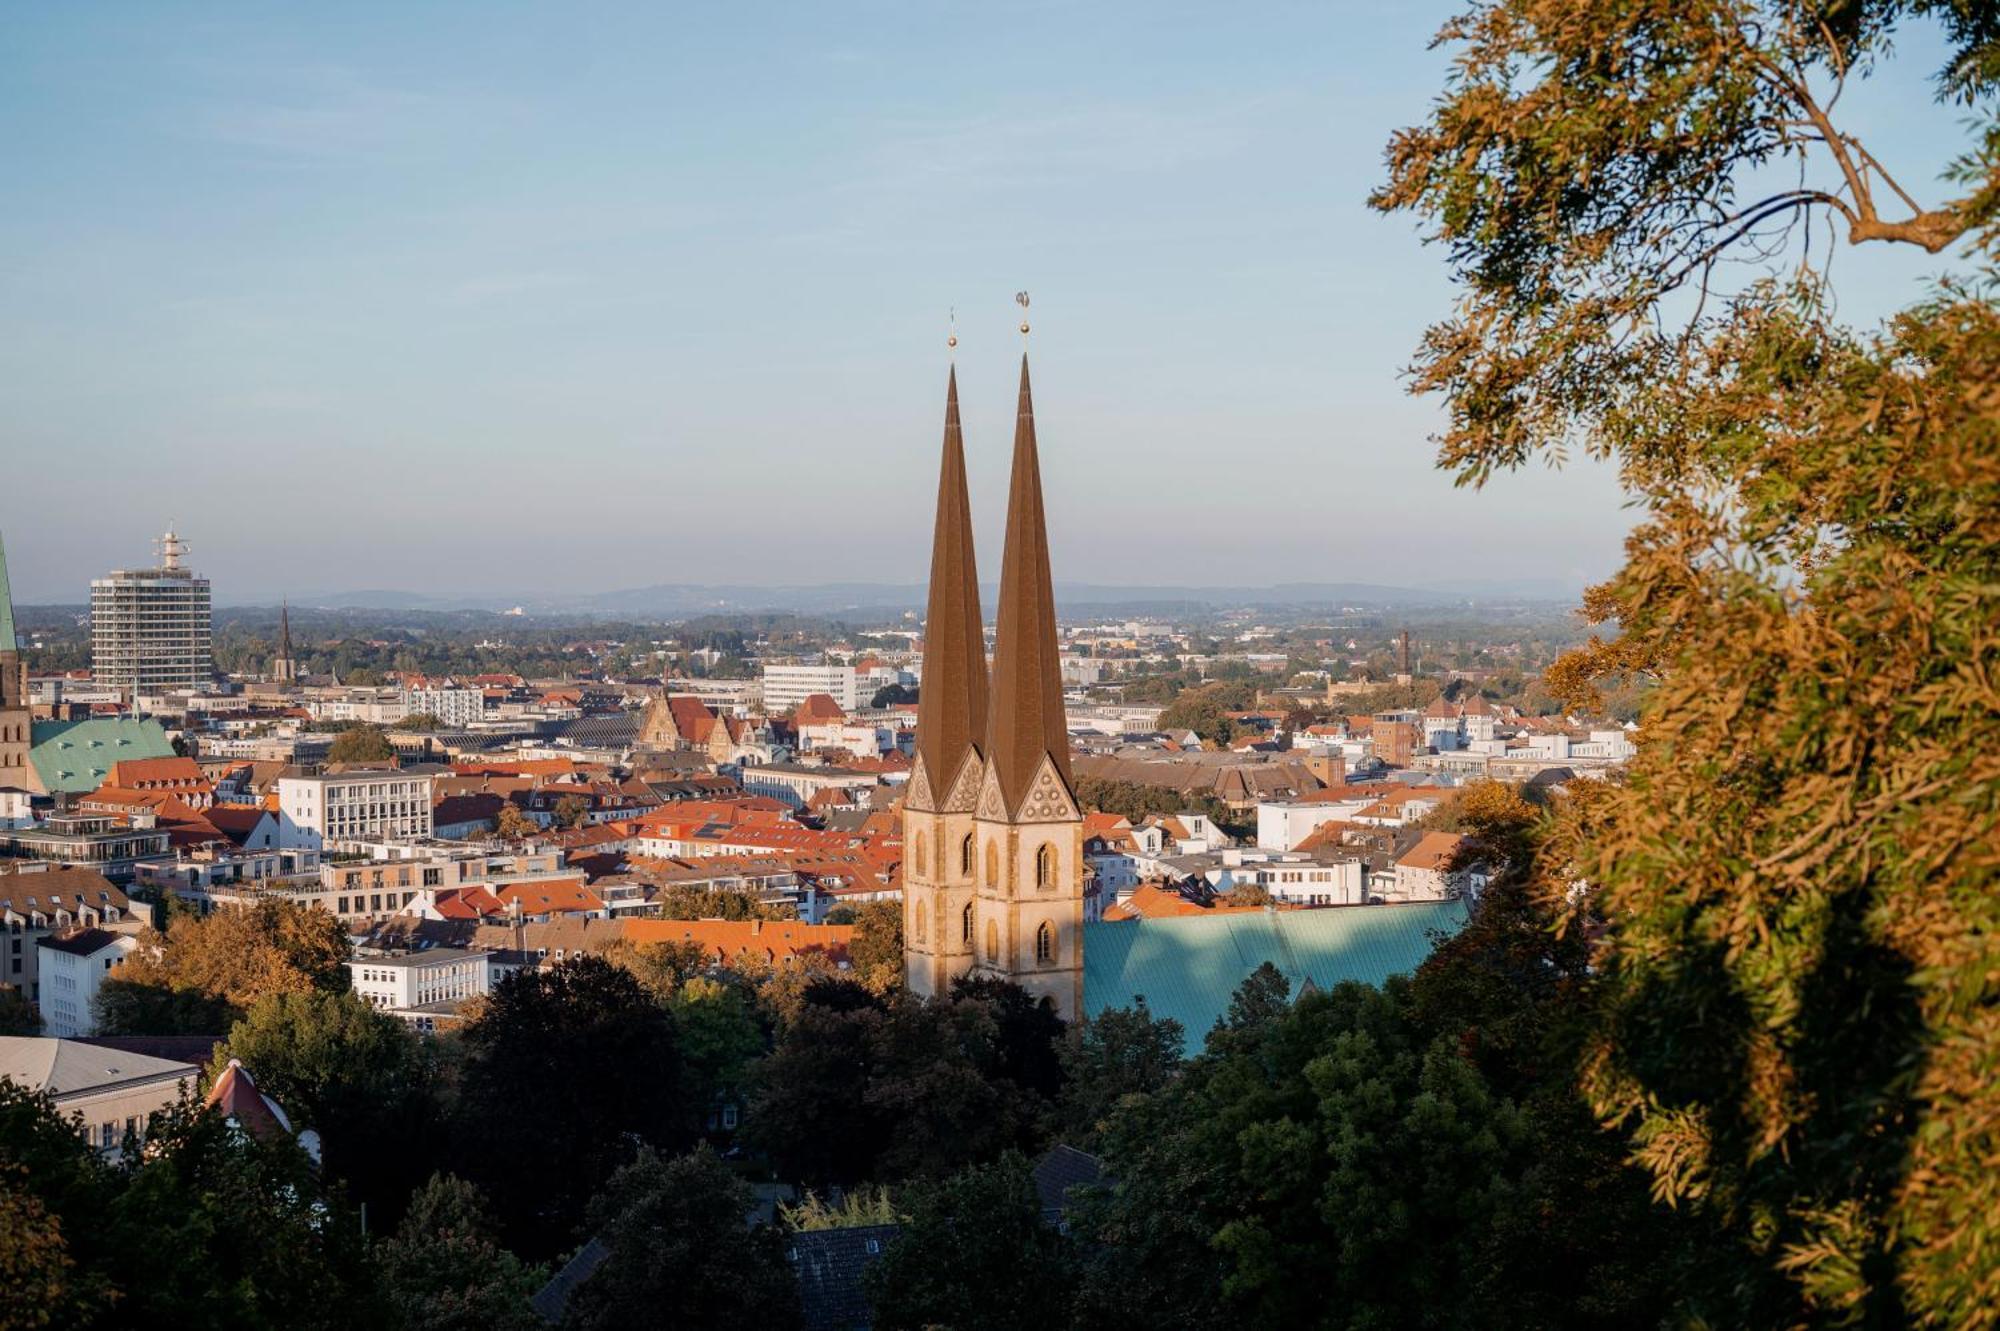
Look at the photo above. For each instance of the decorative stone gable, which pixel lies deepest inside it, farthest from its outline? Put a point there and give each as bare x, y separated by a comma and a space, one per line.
992, 809
919, 795
965, 790
1048, 799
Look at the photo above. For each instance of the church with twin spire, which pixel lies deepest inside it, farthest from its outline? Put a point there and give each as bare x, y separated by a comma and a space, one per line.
993, 871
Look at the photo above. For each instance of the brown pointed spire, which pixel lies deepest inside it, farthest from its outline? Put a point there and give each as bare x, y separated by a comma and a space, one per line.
951, 699
1027, 710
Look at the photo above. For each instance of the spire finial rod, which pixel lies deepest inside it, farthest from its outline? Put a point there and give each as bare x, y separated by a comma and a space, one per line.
951, 337
1021, 299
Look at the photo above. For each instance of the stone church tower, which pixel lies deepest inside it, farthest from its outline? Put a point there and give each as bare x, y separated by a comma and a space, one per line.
939, 851
17, 733
995, 875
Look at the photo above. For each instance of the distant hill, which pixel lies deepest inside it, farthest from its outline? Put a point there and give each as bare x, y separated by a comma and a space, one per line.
680, 600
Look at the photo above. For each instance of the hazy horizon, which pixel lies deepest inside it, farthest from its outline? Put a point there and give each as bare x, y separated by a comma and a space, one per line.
514, 303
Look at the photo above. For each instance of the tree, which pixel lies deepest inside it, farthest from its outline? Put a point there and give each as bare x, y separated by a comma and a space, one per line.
571, 811
359, 1077
1792, 920
206, 970
1247, 893
209, 1226
17, 1015
974, 1254
716, 1027
1202, 712
581, 1045
681, 1254
36, 1269
513, 825
1587, 164
421, 722
876, 948
445, 1271
361, 744
1119, 1053
1351, 1133
662, 967
893, 695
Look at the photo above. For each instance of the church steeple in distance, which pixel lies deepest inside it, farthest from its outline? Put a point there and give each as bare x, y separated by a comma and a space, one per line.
1026, 712
8, 642
951, 698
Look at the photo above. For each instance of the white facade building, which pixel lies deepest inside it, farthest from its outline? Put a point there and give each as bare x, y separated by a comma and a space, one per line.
420, 987
786, 686
796, 784
1283, 824
454, 707
365, 804
73, 967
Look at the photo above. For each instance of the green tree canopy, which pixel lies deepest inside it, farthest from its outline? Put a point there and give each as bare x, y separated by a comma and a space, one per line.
357, 1076
682, 1254
974, 1255
1792, 888
445, 1271
581, 1047
361, 744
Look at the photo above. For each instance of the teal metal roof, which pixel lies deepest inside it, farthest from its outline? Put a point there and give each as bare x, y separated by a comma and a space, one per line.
8, 642
1187, 967
75, 757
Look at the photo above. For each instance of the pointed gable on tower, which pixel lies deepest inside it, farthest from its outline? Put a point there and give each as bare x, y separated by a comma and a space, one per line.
952, 696
1026, 722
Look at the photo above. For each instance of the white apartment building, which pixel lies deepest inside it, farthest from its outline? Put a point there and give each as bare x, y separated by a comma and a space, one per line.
376, 706
454, 707
786, 686
363, 804
149, 628
1294, 879
1283, 824
796, 784
73, 967
420, 987
1115, 718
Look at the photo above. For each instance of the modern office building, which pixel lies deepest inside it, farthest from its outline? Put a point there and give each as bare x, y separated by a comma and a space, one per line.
360, 804
786, 686
150, 627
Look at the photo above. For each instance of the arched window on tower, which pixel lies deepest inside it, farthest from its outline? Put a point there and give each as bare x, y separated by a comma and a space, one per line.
918, 932
992, 941
1045, 944
1045, 866
993, 864
966, 926
965, 856
920, 862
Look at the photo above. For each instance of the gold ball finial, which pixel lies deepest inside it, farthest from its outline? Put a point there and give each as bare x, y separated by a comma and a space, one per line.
1021, 299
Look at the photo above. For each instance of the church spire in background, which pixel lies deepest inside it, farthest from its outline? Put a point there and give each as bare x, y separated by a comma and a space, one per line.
951, 698
8, 642
1027, 718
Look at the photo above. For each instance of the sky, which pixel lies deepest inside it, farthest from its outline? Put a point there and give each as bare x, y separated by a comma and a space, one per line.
513, 299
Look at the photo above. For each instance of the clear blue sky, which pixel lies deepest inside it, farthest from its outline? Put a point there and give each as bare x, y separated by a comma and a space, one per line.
512, 298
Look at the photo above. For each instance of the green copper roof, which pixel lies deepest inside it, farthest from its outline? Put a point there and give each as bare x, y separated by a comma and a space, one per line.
8, 643
1187, 967
76, 756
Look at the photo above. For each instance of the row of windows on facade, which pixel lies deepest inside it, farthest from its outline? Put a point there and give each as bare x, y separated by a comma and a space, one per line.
374, 902
1047, 946
1045, 861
